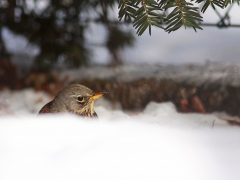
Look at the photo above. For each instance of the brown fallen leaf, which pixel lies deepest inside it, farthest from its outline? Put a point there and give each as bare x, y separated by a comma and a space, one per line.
184, 105
235, 121
197, 105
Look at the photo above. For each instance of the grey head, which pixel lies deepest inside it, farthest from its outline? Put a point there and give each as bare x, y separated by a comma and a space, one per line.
77, 99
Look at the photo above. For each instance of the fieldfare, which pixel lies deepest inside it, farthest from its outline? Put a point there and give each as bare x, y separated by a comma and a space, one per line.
76, 99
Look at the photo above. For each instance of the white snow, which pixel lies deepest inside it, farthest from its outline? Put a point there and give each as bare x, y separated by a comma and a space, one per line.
158, 143
23, 102
225, 73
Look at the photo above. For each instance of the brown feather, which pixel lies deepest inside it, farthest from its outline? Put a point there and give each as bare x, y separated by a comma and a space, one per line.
46, 108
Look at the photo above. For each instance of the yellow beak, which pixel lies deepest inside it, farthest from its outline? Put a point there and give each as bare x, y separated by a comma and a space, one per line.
98, 95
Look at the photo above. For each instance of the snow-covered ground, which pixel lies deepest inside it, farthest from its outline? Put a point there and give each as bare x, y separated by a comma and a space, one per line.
224, 73
158, 143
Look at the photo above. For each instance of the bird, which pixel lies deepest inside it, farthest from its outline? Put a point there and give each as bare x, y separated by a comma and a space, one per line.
75, 98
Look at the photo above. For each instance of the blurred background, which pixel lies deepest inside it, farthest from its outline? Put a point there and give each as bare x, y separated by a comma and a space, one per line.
47, 44
73, 33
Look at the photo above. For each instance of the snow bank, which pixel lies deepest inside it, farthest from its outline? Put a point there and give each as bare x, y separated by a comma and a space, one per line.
22, 102
224, 73
159, 143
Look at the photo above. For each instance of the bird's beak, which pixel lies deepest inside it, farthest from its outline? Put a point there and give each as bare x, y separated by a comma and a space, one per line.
98, 95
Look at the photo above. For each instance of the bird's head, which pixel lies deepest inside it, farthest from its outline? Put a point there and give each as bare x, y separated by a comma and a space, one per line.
77, 99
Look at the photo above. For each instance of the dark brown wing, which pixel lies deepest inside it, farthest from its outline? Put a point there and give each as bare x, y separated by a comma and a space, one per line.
46, 108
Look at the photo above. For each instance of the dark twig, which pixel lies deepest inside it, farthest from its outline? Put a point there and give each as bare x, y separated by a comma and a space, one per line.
213, 123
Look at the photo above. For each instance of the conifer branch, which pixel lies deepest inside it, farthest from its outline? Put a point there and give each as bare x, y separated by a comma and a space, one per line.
147, 13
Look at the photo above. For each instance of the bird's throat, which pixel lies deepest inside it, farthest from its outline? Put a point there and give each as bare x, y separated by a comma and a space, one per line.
87, 110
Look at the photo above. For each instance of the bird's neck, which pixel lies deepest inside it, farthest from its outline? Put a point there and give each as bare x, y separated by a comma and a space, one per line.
87, 110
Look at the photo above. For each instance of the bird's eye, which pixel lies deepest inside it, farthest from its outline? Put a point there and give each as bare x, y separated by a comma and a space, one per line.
80, 99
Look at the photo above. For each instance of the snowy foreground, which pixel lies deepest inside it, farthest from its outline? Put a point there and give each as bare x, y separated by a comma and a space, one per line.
158, 143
